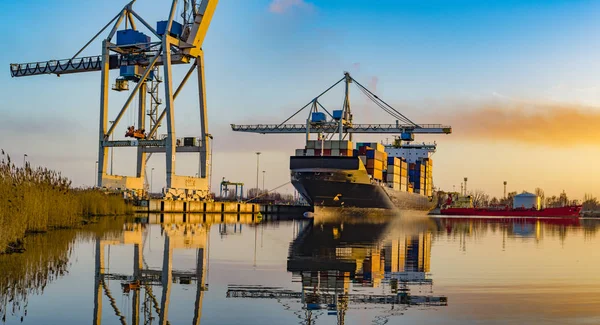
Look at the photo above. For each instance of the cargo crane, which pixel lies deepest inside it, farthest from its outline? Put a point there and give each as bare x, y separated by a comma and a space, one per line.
137, 57
341, 122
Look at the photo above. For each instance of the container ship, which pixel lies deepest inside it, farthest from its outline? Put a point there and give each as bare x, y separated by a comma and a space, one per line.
523, 205
331, 173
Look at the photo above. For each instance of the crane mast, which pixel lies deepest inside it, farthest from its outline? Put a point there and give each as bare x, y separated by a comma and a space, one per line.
138, 58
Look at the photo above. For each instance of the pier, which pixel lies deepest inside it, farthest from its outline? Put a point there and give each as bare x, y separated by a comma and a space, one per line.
217, 207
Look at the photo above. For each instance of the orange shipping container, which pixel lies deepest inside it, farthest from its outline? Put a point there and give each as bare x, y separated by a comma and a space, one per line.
374, 164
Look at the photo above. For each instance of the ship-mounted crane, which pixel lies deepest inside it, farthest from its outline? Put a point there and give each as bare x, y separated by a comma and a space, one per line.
341, 121
138, 57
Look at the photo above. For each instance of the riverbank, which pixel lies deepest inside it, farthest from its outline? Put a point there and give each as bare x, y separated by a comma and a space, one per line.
39, 200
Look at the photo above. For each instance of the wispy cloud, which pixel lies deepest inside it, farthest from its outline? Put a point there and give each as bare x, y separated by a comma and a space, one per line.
283, 6
558, 125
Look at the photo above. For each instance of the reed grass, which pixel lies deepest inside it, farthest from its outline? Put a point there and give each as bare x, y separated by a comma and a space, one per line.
38, 200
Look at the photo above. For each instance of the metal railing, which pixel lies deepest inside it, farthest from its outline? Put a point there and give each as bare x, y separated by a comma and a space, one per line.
333, 128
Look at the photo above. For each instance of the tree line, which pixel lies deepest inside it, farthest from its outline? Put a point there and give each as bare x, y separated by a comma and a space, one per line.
481, 199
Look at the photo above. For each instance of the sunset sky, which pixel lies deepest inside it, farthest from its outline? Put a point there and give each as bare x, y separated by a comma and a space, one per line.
519, 81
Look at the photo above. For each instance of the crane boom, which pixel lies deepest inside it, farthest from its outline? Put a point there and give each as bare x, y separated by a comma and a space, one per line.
334, 128
202, 19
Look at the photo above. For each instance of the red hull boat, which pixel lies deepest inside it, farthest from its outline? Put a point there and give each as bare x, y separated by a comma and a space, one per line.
561, 212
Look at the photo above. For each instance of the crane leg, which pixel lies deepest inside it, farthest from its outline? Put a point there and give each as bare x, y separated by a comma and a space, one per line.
103, 151
141, 155
204, 149
171, 140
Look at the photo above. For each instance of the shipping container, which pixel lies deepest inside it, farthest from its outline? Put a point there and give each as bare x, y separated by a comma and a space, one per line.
363, 150
335, 152
347, 145
310, 152
394, 161
311, 144
318, 117
393, 169
375, 164
300, 152
334, 144
327, 144
337, 114
377, 174
377, 155
391, 178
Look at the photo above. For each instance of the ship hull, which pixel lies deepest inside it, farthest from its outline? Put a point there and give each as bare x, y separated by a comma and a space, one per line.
562, 212
324, 186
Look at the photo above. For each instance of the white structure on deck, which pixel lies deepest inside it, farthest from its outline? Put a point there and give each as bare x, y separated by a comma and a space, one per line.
411, 152
526, 200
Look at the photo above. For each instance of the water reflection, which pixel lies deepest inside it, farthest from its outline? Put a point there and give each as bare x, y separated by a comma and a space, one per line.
331, 270
339, 263
46, 258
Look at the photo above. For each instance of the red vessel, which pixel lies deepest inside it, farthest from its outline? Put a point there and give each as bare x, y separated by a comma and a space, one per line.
561, 212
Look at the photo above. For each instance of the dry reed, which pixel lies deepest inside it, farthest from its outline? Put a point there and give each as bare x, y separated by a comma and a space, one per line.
37, 200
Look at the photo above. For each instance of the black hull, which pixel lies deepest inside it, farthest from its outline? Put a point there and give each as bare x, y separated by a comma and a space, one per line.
343, 182
337, 194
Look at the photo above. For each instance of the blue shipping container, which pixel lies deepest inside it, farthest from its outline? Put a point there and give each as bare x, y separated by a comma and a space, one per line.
407, 136
371, 154
337, 114
176, 28
318, 117
131, 37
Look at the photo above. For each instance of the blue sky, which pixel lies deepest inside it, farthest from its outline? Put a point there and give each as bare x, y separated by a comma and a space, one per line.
265, 59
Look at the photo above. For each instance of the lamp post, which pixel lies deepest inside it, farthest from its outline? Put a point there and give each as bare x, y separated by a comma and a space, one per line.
151, 178
210, 167
112, 153
24, 156
466, 193
257, 169
264, 180
505, 189
95, 174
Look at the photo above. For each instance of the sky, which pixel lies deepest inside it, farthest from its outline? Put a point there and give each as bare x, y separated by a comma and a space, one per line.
519, 82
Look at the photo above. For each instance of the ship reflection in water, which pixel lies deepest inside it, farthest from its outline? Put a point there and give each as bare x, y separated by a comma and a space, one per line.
229, 270
357, 265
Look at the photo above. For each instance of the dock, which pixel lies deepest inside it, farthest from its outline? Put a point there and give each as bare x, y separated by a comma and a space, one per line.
217, 207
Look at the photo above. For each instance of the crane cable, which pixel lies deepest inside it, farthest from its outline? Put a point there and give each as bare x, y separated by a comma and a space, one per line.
381, 106
380, 103
387, 110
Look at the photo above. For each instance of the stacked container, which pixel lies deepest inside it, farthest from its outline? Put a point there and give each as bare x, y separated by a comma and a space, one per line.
394, 173
428, 163
416, 176
328, 148
403, 176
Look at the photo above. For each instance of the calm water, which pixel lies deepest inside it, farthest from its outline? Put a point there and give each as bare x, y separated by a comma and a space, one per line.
307, 272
